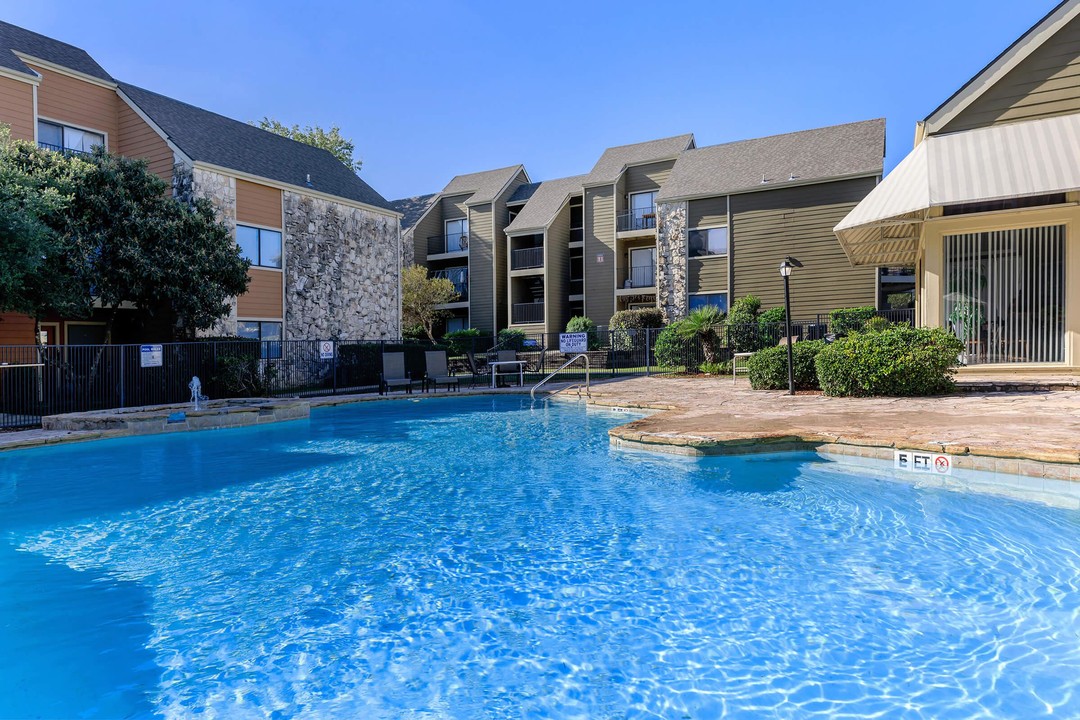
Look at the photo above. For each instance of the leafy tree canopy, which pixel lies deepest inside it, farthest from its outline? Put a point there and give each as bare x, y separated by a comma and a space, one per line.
341, 147
420, 297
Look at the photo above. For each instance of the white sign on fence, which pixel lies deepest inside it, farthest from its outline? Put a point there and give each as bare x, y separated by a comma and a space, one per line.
573, 342
326, 349
922, 462
150, 356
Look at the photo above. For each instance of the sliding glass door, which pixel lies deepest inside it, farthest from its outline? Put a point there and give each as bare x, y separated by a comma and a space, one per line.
1005, 294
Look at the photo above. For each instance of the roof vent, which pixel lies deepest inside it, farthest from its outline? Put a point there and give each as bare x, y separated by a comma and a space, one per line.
308, 182
792, 176
764, 180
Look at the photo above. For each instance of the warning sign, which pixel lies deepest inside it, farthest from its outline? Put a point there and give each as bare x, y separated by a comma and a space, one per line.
922, 462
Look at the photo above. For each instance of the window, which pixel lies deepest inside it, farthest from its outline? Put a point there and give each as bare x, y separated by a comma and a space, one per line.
642, 268
577, 268
642, 215
577, 220
261, 247
455, 323
707, 241
717, 300
457, 235
53, 136
268, 332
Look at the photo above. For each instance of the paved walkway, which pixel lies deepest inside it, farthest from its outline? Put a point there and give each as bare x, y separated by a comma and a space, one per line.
716, 416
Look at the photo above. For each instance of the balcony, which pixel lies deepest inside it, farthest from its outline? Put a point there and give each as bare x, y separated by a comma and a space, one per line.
527, 258
445, 244
640, 277
70, 152
577, 235
522, 313
460, 277
642, 218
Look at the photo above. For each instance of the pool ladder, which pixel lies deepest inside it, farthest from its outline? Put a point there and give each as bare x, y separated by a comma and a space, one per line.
568, 363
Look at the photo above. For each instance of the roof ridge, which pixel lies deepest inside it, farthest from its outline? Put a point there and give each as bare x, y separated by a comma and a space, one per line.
50, 39
788, 134
647, 142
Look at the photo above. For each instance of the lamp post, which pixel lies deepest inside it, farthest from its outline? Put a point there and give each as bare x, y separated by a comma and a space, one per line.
789, 263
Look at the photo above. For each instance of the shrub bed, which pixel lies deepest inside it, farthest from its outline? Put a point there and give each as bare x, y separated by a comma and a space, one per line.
844, 321
899, 361
768, 368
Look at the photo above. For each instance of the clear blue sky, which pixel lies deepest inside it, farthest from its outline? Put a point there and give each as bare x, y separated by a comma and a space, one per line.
430, 90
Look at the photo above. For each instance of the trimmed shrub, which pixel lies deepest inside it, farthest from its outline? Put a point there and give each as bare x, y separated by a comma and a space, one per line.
768, 368
900, 361
772, 316
876, 324
901, 300
672, 349
462, 342
743, 333
413, 332
579, 324
844, 321
511, 339
625, 327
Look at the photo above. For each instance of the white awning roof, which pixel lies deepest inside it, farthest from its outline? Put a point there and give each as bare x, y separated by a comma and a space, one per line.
1037, 157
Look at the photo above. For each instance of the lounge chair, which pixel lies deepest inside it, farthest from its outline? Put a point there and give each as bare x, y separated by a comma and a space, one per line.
437, 374
506, 371
393, 373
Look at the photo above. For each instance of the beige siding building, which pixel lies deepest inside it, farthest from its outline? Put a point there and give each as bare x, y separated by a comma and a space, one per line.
986, 207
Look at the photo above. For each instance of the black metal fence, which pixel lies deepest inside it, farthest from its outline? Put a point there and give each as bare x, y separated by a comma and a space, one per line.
38, 381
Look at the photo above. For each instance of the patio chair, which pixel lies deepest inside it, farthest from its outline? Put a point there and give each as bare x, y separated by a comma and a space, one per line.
437, 374
393, 373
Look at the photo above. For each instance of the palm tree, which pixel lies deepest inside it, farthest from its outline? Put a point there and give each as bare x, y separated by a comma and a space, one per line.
705, 324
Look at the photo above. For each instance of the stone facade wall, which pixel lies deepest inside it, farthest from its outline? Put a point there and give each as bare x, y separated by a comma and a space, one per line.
221, 191
671, 253
342, 271
408, 251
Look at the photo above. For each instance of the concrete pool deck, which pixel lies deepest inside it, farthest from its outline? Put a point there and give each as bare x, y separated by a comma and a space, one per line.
1036, 434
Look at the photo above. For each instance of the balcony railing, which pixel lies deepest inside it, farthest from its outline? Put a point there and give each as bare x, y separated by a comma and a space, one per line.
643, 218
527, 258
64, 150
577, 234
641, 277
460, 277
441, 244
528, 312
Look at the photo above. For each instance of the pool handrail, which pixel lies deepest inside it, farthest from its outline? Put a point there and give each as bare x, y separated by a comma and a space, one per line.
571, 361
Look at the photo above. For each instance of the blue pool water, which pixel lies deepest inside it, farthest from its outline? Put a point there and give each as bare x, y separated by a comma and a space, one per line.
476, 558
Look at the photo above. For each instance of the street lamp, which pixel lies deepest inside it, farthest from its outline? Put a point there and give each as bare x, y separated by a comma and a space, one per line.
789, 263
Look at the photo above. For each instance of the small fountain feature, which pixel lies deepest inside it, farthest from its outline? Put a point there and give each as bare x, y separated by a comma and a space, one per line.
196, 392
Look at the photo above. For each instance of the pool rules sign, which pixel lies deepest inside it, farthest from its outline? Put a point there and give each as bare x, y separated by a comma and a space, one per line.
150, 356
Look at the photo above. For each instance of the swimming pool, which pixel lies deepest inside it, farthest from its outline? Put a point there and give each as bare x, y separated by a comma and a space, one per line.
477, 557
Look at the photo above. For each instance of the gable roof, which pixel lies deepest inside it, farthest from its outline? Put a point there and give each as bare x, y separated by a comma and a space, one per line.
1000, 66
14, 38
545, 203
217, 140
523, 193
616, 159
830, 152
483, 186
413, 208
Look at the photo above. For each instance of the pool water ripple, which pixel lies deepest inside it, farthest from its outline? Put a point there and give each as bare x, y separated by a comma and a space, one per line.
483, 558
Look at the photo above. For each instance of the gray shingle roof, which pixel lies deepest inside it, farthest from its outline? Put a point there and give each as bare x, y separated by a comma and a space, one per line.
829, 152
13, 37
523, 193
616, 159
545, 203
211, 138
483, 186
413, 208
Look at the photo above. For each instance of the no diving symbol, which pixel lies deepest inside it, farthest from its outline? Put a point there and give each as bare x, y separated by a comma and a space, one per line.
941, 464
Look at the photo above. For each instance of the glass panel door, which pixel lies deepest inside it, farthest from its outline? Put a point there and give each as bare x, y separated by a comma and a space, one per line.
642, 264
457, 235
1005, 294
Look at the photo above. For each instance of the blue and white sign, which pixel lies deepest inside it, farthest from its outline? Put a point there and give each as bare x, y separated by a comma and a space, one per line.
326, 349
571, 343
150, 356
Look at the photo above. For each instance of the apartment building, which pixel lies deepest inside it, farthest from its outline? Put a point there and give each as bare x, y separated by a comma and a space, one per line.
460, 234
667, 224
324, 246
986, 207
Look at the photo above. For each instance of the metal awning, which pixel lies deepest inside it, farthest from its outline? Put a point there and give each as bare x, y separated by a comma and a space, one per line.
1036, 157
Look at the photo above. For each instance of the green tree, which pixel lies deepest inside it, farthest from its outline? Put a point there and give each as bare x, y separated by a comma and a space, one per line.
173, 261
42, 269
420, 297
341, 147
705, 324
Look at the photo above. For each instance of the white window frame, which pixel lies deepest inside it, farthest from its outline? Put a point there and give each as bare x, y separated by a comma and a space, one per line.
73, 126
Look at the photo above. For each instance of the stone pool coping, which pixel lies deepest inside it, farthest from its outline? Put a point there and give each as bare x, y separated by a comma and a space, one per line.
690, 423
